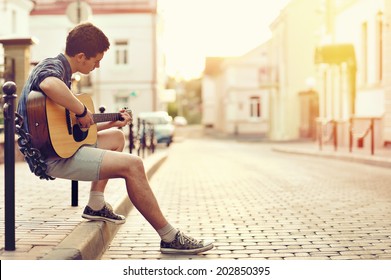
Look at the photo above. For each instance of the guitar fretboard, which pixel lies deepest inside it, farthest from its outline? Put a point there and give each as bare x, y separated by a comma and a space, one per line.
106, 117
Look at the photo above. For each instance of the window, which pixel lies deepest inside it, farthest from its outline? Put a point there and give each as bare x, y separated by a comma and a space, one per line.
263, 76
14, 20
121, 52
255, 107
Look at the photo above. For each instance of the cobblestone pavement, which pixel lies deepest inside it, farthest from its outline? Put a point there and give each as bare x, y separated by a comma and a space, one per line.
44, 217
260, 204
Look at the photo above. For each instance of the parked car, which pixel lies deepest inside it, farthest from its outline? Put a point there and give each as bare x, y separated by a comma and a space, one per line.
180, 121
163, 127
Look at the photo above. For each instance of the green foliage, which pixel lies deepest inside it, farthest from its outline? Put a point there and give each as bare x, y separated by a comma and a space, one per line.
188, 102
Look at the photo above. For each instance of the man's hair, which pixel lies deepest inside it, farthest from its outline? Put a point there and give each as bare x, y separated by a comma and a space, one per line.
88, 39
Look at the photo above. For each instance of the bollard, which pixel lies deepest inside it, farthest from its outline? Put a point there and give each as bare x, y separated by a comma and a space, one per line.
131, 138
372, 129
152, 132
74, 193
138, 136
9, 88
143, 138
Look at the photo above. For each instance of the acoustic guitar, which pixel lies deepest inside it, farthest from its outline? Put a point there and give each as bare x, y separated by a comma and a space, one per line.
55, 130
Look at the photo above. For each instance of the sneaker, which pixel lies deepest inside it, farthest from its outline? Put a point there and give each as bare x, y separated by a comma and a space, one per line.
183, 244
104, 214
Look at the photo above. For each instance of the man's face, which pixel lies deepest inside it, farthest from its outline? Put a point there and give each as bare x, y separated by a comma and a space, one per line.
88, 65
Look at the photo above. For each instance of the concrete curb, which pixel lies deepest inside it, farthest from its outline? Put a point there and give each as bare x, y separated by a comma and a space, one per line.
90, 239
364, 159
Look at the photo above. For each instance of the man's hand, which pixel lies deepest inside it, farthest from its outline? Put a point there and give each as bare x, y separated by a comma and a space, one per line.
86, 121
125, 119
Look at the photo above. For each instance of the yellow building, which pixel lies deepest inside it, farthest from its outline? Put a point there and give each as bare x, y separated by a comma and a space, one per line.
295, 34
350, 67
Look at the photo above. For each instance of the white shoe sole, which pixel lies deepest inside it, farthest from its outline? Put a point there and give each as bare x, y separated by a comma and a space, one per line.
103, 219
187, 252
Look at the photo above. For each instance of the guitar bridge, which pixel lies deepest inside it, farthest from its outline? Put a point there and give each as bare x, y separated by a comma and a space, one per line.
69, 121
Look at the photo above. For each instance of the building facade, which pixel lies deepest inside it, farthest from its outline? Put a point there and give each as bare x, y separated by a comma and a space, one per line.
281, 70
233, 101
15, 41
387, 71
327, 65
14, 15
351, 68
132, 71
294, 38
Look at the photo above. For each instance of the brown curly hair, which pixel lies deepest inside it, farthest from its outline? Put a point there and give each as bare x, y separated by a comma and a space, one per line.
88, 39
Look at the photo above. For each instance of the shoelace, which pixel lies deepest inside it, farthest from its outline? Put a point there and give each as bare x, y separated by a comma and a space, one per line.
108, 205
110, 211
183, 238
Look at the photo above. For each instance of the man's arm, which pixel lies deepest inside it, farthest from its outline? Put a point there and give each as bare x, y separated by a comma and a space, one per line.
57, 91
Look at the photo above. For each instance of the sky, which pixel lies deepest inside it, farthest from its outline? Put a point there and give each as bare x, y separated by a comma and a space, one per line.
194, 29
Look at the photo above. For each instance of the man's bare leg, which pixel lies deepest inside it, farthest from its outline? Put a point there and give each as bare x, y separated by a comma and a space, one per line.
130, 167
113, 140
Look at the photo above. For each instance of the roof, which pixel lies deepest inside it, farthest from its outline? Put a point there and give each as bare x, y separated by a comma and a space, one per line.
58, 7
212, 65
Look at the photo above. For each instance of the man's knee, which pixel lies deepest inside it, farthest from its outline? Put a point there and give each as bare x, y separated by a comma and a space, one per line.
118, 137
133, 166
111, 139
137, 163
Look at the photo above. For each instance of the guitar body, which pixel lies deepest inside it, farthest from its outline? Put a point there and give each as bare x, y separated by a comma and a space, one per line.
55, 130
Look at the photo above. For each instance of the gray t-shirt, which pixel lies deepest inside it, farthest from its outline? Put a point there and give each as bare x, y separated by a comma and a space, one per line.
58, 67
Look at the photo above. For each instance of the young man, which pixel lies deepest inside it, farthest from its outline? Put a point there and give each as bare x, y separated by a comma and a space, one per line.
85, 47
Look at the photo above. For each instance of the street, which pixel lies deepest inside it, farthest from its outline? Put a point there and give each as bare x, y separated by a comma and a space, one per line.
260, 204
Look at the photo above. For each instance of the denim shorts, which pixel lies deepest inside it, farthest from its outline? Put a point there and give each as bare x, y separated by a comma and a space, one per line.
84, 165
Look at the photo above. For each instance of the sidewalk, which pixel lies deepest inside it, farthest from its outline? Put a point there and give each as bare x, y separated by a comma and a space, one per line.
48, 227
381, 157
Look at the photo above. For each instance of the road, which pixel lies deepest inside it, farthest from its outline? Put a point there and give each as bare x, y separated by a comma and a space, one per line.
260, 204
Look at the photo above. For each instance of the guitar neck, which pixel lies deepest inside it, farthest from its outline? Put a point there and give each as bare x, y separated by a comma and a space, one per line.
106, 117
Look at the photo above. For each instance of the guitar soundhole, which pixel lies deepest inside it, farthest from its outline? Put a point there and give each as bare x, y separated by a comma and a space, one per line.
78, 134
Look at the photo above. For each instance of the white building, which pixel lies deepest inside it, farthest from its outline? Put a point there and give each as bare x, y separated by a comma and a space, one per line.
233, 101
14, 32
271, 78
14, 15
132, 71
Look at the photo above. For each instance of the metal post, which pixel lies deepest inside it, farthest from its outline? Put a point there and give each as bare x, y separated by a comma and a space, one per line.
144, 142
153, 138
351, 135
372, 136
335, 134
9, 88
131, 138
75, 193
138, 136
320, 125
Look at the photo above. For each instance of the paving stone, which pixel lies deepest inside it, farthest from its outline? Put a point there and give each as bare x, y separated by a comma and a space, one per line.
255, 203
267, 208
